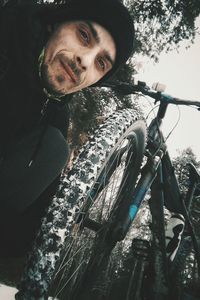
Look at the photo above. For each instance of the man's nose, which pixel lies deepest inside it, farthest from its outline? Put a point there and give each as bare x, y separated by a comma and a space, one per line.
85, 60
79, 61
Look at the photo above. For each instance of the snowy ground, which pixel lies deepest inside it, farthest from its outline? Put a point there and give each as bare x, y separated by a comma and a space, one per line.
7, 293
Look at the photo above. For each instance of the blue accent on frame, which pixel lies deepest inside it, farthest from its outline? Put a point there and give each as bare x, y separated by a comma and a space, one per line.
167, 97
139, 195
132, 211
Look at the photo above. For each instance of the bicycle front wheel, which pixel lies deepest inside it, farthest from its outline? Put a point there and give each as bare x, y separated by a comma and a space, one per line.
107, 166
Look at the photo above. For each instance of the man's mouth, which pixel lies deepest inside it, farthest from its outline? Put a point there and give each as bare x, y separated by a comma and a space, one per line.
69, 72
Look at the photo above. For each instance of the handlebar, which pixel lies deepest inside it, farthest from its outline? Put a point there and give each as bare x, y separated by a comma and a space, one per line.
141, 87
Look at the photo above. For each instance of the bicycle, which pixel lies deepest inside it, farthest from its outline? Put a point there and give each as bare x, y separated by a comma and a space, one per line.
120, 147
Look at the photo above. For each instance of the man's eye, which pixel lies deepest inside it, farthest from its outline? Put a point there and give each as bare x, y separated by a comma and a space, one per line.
84, 36
101, 64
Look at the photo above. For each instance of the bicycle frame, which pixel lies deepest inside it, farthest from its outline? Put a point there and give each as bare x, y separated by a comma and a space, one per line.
157, 175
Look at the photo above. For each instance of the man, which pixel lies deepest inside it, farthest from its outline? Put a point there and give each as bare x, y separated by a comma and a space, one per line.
47, 53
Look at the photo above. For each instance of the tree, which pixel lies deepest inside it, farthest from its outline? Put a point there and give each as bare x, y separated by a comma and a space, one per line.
181, 167
182, 171
90, 104
162, 25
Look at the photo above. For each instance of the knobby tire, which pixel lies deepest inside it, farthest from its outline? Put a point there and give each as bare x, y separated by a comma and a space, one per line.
53, 243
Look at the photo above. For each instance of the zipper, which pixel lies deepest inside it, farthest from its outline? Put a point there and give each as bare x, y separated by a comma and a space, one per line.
44, 107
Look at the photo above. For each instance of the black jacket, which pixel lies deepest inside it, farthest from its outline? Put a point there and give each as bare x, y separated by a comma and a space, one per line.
22, 100
22, 38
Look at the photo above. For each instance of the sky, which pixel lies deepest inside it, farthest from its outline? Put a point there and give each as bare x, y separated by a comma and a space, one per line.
180, 72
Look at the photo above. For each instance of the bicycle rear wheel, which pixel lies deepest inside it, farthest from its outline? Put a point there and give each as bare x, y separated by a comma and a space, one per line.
107, 167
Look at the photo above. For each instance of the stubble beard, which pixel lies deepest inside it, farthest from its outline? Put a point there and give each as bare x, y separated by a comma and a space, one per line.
55, 83
50, 82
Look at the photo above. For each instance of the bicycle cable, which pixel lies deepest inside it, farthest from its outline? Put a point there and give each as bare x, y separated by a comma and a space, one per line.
158, 128
173, 128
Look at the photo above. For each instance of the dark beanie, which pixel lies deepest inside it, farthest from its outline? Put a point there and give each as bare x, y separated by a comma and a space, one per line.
111, 14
